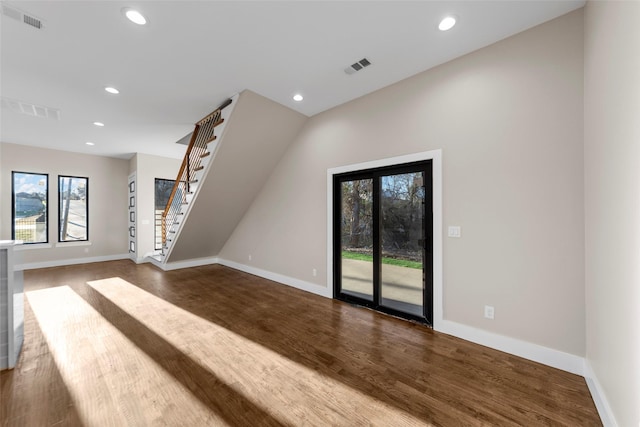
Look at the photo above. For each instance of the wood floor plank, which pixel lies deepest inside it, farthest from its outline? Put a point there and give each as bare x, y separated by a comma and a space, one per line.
117, 343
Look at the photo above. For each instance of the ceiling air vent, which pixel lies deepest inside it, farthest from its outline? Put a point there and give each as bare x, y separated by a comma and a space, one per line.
364, 62
21, 16
32, 110
34, 22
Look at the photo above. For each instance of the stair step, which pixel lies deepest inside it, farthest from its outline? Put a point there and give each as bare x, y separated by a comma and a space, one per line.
212, 139
199, 168
208, 153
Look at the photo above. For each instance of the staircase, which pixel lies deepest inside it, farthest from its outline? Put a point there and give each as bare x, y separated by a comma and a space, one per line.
192, 171
231, 155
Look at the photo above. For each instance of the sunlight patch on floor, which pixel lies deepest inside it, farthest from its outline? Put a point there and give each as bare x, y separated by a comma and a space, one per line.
290, 391
124, 387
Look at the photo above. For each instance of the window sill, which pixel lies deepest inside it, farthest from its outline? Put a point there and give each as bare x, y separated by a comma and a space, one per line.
69, 244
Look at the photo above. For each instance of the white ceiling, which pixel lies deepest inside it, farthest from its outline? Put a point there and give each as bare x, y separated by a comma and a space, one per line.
192, 55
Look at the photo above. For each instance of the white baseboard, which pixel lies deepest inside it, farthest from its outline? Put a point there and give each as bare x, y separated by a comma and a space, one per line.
60, 263
286, 280
599, 397
537, 353
196, 262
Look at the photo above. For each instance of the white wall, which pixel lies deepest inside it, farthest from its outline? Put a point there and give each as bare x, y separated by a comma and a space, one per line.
612, 204
509, 121
107, 203
147, 168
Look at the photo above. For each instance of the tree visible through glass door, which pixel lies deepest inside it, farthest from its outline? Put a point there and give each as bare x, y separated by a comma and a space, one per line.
356, 238
401, 241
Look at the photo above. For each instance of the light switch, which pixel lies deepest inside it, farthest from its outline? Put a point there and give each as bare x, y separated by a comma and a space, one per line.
454, 231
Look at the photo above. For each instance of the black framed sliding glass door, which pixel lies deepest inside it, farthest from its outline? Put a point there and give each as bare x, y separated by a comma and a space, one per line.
382, 239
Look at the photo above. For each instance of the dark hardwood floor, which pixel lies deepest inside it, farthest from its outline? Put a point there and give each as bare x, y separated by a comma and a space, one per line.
120, 344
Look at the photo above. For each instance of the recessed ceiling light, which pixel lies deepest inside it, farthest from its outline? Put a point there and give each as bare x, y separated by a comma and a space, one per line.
98, 124
112, 90
447, 23
297, 97
134, 16
90, 143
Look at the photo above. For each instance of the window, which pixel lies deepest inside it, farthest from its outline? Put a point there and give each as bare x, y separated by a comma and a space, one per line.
30, 193
163, 191
73, 196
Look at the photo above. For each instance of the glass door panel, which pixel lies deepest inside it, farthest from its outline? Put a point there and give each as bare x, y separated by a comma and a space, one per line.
402, 199
356, 234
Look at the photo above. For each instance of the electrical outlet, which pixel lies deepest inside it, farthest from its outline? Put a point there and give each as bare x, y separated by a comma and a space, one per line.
489, 312
315, 272
454, 231
249, 257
